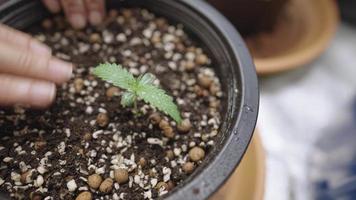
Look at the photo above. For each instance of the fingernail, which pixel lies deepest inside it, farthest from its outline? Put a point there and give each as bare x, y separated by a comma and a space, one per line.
95, 18
77, 21
40, 48
59, 70
42, 93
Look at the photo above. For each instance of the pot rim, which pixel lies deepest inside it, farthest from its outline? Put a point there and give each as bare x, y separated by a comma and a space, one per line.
224, 163
205, 182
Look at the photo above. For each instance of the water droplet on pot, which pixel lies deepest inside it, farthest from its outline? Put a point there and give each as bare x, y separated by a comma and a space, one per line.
248, 108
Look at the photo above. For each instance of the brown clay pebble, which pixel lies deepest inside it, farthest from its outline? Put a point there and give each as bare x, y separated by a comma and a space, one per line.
161, 185
69, 33
214, 89
87, 136
155, 118
47, 24
214, 104
163, 124
113, 13
127, 13
188, 167
106, 185
170, 185
112, 91
121, 175
184, 126
155, 39
36, 197
84, 196
40, 144
94, 181
81, 152
94, 38
78, 84
170, 154
200, 91
201, 59
196, 154
161, 22
204, 80
24, 176
168, 132
142, 162
102, 119
152, 173
189, 66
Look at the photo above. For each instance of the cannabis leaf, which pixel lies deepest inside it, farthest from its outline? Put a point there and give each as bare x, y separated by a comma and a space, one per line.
159, 99
141, 87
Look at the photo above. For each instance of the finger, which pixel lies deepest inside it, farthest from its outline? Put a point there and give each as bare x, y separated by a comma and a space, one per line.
75, 12
22, 40
20, 90
27, 63
96, 11
52, 5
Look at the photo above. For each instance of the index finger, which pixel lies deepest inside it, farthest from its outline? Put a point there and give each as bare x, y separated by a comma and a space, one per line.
22, 40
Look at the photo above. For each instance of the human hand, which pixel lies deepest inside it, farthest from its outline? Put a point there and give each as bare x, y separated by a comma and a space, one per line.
78, 12
28, 72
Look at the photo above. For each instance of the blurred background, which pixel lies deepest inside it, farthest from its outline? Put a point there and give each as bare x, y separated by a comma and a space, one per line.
305, 55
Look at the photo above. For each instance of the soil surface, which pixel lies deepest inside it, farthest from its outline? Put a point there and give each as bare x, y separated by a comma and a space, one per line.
50, 154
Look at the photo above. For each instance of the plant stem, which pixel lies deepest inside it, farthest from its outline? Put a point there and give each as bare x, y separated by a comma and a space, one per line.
135, 106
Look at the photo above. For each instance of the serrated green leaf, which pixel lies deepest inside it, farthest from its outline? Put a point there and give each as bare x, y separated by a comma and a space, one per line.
146, 79
116, 75
159, 99
127, 99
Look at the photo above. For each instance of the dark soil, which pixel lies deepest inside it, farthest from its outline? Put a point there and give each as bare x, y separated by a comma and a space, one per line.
67, 142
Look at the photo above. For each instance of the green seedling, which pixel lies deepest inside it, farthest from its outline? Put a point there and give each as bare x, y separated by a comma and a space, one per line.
140, 88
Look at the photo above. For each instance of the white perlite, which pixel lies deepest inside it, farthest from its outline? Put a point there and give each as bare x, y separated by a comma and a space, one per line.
67, 132
39, 181
167, 174
61, 148
154, 141
71, 185
154, 182
148, 194
41, 169
7, 159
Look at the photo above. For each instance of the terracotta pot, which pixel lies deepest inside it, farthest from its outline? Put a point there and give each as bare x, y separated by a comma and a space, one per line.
248, 180
250, 16
302, 33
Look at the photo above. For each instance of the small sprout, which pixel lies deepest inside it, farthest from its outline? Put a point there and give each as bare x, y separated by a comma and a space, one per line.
138, 88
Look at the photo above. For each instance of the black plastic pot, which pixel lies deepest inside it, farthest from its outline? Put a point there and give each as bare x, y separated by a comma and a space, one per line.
233, 65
